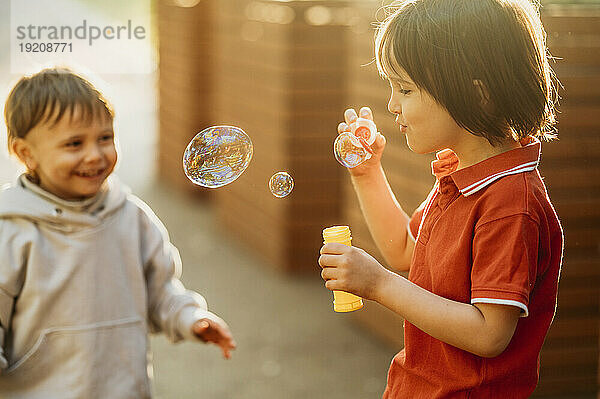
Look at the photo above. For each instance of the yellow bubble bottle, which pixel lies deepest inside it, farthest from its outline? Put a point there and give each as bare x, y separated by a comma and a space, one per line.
342, 301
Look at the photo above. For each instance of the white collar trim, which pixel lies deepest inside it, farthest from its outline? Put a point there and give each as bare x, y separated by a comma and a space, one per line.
473, 188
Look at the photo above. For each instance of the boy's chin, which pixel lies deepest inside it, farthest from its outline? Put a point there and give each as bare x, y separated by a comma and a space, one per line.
420, 149
87, 190
416, 149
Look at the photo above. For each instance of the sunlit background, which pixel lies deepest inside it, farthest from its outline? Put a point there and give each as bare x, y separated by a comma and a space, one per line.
284, 71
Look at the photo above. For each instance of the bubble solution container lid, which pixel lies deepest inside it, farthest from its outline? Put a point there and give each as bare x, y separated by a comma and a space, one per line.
337, 234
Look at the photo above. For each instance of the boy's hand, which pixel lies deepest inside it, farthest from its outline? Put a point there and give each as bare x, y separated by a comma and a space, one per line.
215, 330
351, 269
376, 148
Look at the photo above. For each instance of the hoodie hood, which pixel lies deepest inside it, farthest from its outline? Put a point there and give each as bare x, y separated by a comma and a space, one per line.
27, 200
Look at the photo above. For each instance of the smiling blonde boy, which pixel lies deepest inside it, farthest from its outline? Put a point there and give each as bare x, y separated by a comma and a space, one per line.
86, 268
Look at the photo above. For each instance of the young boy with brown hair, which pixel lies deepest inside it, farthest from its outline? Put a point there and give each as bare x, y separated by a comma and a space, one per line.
86, 268
470, 80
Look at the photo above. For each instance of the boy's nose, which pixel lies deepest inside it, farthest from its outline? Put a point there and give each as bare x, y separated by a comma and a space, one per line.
93, 154
394, 106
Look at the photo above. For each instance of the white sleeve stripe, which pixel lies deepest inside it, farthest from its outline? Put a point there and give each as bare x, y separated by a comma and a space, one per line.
520, 305
410, 232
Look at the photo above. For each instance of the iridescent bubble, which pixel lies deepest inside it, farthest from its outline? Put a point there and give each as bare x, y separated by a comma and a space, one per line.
281, 184
349, 151
217, 156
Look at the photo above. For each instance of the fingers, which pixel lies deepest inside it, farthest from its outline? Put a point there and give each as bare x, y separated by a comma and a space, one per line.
329, 261
212, 331
227, 344
365, 112
333, 285
343, 127
225, 341
222, 338
331, 277
222, 334
365, 145
334, 248
200, 326
379, 143
350, 116
329, 273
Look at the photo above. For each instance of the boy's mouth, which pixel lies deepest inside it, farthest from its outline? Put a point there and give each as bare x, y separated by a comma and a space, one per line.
401, 125
90, 173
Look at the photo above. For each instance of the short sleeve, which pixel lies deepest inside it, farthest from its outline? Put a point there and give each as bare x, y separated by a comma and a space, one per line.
505, 253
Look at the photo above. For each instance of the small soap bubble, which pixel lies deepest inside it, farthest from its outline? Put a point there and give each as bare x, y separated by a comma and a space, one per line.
217, 156
349, 151
281, 184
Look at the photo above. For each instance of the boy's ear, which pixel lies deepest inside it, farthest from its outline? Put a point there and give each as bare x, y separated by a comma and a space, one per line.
24, 152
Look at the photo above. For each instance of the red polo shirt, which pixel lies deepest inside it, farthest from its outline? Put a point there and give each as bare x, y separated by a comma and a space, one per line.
486, 234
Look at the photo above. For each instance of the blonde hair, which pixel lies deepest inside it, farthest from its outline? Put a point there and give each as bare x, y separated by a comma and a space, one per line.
46, 97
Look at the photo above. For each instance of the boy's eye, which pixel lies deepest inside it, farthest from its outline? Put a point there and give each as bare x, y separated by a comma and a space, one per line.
74, 143
107, 137
398, 86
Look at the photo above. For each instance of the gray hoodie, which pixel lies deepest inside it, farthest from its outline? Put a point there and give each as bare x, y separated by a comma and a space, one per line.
81, 285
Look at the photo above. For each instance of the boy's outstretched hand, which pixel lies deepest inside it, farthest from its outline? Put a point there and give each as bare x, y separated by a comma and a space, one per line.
351, 269
216, 331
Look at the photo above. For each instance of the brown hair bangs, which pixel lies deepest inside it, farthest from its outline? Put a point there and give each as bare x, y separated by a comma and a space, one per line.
48, 96
484, 61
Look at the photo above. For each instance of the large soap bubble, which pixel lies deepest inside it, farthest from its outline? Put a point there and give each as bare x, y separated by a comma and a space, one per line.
353, 148
217, 156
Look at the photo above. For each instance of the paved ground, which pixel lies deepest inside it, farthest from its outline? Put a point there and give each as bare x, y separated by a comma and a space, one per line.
291, 344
